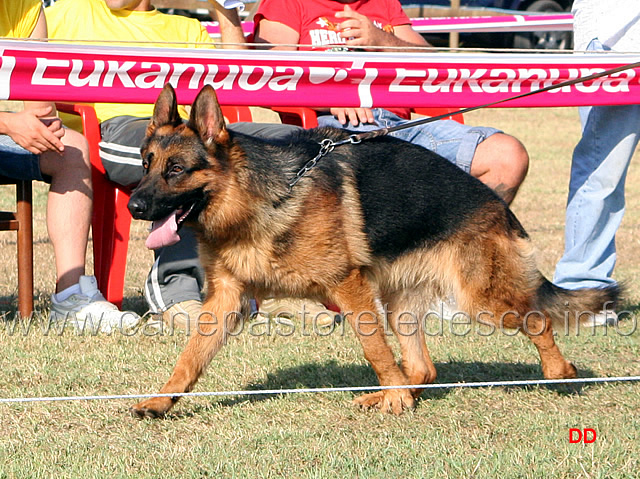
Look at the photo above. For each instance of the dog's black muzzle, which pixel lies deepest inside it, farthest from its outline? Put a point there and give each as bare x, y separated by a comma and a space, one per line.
138, 207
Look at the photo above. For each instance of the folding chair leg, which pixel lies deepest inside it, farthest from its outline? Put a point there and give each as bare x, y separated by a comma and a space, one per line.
24, 214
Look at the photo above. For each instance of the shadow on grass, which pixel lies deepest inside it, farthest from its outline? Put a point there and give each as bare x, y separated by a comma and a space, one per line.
333, 374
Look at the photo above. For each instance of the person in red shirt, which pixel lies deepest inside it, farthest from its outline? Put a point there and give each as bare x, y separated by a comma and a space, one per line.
497, 159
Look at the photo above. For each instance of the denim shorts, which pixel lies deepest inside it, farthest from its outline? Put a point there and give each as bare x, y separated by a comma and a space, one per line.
18, 163
449, 138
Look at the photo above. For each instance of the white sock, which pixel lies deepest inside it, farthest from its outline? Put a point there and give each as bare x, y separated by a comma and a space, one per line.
64, 294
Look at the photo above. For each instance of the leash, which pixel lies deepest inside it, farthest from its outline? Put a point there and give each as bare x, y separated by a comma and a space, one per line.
327, 145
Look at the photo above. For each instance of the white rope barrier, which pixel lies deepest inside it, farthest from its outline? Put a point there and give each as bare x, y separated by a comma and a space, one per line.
481, 384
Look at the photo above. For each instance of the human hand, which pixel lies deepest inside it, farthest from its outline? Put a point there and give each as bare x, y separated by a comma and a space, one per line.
32, 130
359, 30
354, 115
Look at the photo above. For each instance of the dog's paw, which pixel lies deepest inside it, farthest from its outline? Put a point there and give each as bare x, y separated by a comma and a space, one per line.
154, 408
390, 401
560, 370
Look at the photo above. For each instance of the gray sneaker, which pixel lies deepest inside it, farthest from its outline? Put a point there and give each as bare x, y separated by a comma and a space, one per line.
89, 310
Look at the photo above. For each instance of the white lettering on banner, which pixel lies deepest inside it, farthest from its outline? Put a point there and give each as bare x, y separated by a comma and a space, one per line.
319, 75
364, 87
618, 82
554, 74
92, 79
288, 81
247, 70
482, 79
525, 74
227, 82
402, 73
41, 66
180, 68
573, 74
470, 78
593, 87
121, 71
152, 79
6, 68
429, 87
503, 79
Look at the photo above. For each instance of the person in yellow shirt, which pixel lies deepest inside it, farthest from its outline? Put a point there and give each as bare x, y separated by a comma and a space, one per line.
174, 284
34, 145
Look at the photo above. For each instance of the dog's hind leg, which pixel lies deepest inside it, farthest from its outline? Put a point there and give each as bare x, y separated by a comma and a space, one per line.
405, 317
537, 327
503, 281
357, 300
221, 313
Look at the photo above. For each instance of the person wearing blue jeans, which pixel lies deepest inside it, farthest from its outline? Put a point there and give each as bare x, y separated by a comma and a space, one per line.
495, 158
449, 138
610, 134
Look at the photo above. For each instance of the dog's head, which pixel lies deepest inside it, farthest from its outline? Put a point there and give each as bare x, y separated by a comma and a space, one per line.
181, 161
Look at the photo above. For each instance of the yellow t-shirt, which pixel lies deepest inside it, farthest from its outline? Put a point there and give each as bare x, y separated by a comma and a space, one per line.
18, 18
93, 20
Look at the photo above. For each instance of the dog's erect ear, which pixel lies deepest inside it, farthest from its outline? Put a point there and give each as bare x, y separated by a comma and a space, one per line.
165, 111
207, 118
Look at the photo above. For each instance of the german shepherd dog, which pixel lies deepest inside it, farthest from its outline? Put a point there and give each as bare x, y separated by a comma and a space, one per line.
375, 224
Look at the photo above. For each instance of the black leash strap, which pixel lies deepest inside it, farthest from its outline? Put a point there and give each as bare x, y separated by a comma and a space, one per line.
384, 131
327, 145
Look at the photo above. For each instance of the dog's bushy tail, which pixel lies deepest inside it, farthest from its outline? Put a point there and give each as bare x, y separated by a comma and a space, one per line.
570, 309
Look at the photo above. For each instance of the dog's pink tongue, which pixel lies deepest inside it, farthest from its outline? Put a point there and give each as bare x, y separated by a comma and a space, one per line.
163, 233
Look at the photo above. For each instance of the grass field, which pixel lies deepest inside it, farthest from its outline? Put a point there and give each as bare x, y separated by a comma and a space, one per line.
514, 432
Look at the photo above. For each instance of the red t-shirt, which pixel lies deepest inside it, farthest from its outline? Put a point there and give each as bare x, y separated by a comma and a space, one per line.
316, 22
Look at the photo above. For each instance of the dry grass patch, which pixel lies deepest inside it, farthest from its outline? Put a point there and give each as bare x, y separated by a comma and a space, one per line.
490, 432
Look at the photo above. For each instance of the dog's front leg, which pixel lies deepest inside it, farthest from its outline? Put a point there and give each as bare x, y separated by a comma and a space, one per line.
220, 315
357, 300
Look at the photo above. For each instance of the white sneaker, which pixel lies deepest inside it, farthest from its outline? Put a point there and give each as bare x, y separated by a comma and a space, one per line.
294, 308
604, 318
89, 310
444, 309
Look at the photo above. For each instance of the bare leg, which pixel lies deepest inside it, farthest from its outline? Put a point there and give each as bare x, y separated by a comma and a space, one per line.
69, 207
501, 162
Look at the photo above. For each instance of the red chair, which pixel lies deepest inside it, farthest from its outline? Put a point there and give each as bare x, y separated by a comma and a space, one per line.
439, 110
301, 116
307, 117
111, 221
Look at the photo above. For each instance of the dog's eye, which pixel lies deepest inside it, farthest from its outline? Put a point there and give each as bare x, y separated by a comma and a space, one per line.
174, 170
146, 161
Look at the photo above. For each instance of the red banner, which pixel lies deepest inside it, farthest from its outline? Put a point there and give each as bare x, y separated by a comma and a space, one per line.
85, 73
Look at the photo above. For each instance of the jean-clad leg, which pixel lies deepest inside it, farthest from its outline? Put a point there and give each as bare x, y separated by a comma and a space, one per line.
596, 200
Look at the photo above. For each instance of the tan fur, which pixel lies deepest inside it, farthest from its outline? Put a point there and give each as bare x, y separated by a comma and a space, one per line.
315, 246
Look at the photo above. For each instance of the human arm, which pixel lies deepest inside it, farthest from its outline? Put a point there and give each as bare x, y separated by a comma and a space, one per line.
359, 31
36, 128
39, 32
33, 129
230, 26
271, 33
